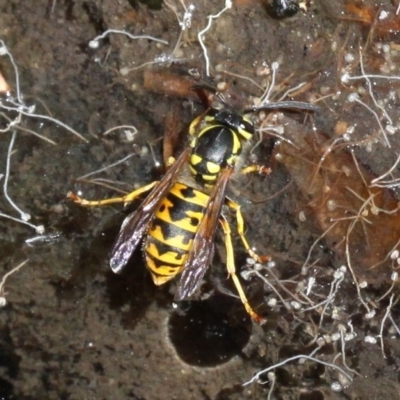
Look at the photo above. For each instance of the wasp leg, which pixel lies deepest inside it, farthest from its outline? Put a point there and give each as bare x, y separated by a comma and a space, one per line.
124, 199
169, 162
230, 265
171, 135
196, 122
240, 228
260, 169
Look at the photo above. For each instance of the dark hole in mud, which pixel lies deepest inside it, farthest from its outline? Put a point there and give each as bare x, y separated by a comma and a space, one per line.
9, 362
230, 393
6, 389
315, 395
312, 374
285, 378
210, 332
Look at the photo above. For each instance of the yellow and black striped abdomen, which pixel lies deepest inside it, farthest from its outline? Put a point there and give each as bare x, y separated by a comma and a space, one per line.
170, 234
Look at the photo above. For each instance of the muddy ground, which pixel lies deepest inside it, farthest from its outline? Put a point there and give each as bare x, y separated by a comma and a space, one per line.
71, 329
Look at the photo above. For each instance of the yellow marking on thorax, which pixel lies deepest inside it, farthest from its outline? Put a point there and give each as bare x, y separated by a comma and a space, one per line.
195, 159
213, 168
192, 170
208, 177
237, 144
246, 134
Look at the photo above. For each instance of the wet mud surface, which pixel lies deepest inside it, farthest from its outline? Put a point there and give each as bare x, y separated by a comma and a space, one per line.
71, 329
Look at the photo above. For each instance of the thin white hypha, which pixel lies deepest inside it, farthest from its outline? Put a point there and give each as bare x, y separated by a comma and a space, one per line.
349, 264
272, 378
272, 287
298, 357
16, 104
244, 77
107, 167
315, 243
343, 340
184, 23
293, 89
24, 217
161, 59
94, 43
130, 131
395, 326
370, 91
3, 300
228, 5
354, 97
370, 203
338, 277
385, 317
28, 112
381, 182
265, 97
15, 124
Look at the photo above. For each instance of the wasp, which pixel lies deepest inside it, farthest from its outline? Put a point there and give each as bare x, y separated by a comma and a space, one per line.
178, 220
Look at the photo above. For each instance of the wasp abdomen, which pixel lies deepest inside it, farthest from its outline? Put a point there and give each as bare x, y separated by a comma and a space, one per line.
171, 232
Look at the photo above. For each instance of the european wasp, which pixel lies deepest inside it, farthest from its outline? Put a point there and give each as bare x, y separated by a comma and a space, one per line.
179, 218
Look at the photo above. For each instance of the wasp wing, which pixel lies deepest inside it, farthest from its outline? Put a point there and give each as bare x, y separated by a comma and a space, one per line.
202, 250
135, 224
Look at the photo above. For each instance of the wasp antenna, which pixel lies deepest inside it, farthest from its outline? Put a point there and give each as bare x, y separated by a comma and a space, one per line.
203, 87
220, 96
289, 105
201, 90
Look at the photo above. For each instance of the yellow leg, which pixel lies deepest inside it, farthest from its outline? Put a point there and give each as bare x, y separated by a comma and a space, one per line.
240, 228
171, 134
124, 199
230, 265
195, 123
261, 169
170, 161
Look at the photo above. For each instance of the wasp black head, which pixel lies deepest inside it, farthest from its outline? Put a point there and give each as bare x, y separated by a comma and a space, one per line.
234, 120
